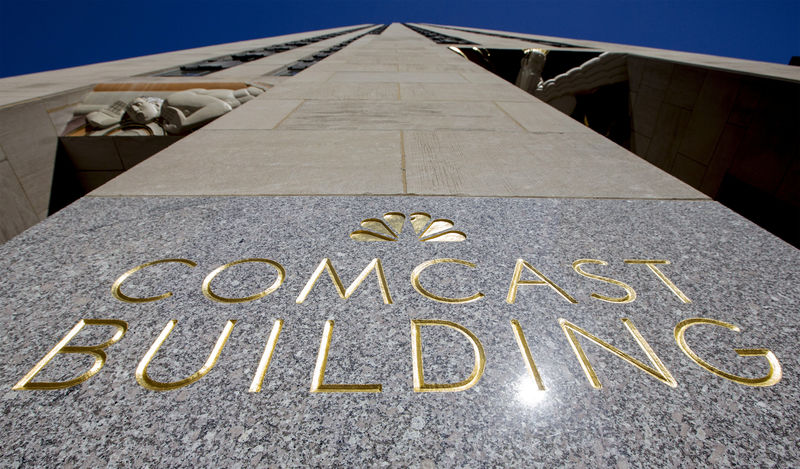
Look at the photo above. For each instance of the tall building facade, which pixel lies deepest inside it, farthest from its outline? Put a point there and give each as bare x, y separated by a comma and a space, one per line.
402, 244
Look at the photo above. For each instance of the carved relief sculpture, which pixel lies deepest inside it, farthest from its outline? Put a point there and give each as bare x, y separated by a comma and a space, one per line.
178, 113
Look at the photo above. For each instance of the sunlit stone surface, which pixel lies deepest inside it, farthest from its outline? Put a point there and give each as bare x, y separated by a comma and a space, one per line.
62, 271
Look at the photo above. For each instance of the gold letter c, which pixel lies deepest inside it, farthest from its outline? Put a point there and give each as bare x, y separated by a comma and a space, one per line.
115, 289
418, 287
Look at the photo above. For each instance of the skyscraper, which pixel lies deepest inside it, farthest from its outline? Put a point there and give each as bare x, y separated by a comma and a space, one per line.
553, 282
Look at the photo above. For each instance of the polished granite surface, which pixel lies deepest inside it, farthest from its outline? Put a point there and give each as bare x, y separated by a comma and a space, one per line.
62, 271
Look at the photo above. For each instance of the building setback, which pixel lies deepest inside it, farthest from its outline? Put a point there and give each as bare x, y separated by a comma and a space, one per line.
408, 244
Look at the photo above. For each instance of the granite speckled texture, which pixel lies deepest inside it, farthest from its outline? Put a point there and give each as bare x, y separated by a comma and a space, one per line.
62, 269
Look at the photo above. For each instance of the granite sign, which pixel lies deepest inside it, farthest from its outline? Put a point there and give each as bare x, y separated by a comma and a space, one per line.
254, 330
388, 229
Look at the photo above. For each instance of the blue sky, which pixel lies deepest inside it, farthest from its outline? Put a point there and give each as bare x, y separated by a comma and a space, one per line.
40, 35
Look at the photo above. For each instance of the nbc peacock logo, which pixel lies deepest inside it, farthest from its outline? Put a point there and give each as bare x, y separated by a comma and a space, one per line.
390, 227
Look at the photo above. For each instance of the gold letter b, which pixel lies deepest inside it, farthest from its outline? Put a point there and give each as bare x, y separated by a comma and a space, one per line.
61, 347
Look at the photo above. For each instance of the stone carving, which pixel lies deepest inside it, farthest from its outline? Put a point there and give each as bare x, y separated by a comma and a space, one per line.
144, 110
107, 117
178, 113
530, 71
189, 109
606, 69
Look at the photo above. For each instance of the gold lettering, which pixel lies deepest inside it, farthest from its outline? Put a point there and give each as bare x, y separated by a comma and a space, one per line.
115, 288
416, 349
345, 294
630, 296
266, 357
516, 282
95, 350
317, 381
141, 371
526, 355
213, 296
418, 286
660, 372
773, 375
651, 263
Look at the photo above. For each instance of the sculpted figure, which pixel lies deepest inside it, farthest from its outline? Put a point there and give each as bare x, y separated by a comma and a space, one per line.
178, 113
529, 77
189, 109
145, 109
606, 69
